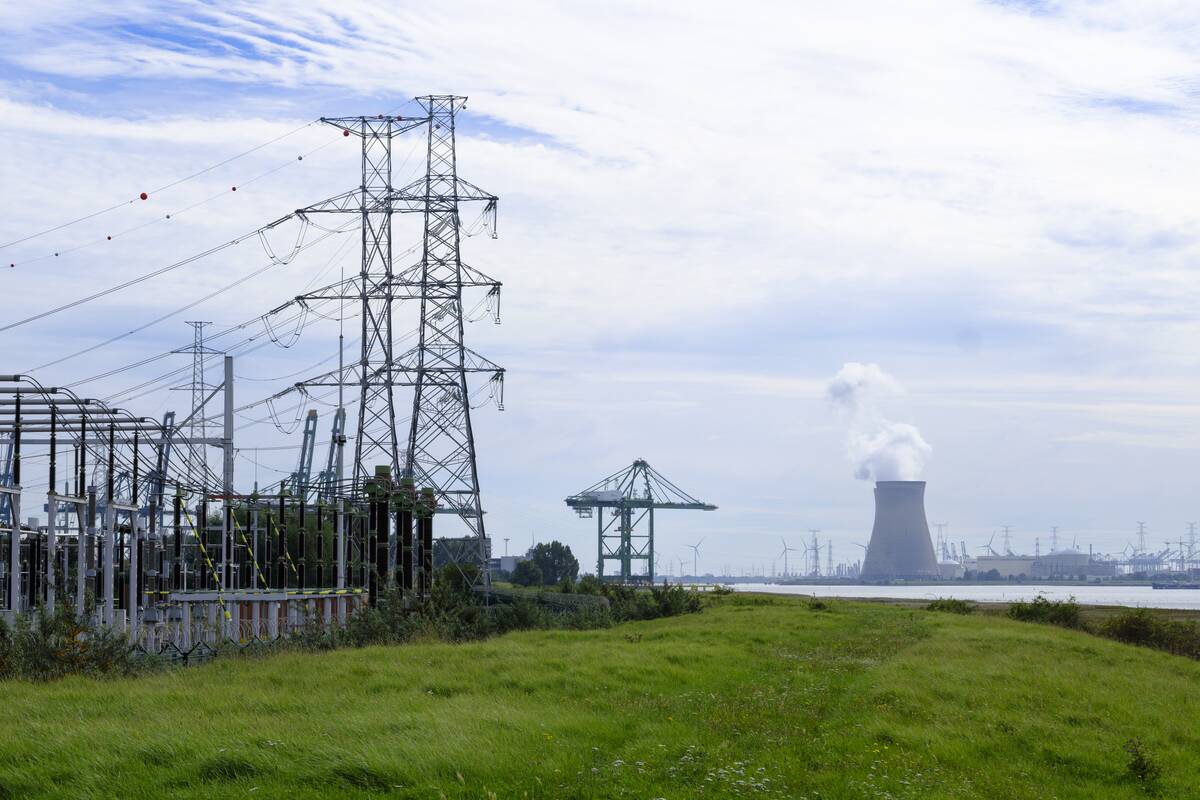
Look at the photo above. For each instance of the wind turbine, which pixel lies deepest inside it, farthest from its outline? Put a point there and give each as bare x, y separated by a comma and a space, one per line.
988, 546
786, 550
696, 557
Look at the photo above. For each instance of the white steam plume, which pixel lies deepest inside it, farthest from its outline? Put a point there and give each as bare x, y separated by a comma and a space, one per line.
879, 448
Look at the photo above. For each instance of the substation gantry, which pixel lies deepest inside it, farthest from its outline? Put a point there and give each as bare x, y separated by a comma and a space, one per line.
630, 497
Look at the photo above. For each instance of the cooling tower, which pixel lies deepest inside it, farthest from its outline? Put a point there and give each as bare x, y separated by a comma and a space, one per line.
900, 546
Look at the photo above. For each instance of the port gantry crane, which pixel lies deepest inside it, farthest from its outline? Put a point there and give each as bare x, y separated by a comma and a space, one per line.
632, 494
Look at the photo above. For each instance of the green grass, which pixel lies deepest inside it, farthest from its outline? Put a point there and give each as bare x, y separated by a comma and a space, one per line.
755, 697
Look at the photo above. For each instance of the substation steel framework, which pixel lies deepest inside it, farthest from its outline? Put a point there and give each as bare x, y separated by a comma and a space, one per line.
631, 495
230, 567
440, 451
240, 567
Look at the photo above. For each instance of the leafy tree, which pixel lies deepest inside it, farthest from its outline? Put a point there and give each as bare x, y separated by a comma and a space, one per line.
556, 562
527, 573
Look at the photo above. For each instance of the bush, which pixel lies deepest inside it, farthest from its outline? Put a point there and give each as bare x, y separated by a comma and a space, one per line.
1141, 765
1064, 613
1145, 628
43, 646
951, 605
673, 600
589, 584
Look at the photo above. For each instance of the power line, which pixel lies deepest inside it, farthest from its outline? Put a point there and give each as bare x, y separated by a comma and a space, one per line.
215, 293
163, 188
145, 277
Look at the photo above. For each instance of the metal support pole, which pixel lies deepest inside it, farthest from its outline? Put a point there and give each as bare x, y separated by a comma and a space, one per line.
650, 551
626, 543
52, 513
600, 543
110, 525
340, 524
227, 434
177, 544
92, 563
14, 505
132, 599
227, 547
81, 560
202, 554
340, 531
404, 535
227, 475
51, 549
110, 533
14, 557
281, 580
255, 554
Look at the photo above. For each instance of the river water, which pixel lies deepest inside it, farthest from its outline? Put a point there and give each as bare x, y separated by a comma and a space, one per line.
1087, 595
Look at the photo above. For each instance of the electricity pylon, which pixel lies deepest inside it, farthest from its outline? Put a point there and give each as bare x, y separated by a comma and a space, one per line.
373, 288
440, 452
441, 444
199, 424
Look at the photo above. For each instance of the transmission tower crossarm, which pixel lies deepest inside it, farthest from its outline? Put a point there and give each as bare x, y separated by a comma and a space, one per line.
393, 124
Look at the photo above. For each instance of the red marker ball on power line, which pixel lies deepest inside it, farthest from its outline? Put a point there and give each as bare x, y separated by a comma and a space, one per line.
233, 189
110, 238
345, 133
143, 195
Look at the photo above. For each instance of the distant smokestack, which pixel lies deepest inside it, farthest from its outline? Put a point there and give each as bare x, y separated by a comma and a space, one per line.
900, 545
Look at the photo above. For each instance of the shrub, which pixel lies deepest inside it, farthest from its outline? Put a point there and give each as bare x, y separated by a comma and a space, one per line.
589, 584
951, 605
587, 618
1141, 765
1145, 628
674, 599
815, 604
44, 645
1064, 613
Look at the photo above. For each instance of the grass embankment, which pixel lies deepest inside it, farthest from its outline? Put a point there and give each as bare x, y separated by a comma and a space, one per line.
754, 697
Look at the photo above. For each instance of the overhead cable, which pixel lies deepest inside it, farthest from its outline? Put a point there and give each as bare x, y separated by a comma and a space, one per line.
163, 188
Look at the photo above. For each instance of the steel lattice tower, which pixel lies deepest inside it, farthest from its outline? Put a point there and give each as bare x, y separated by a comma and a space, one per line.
440, 452
376, 439
441, 444
199, 424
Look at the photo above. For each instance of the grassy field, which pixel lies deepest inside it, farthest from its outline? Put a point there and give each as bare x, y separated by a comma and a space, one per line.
756, 697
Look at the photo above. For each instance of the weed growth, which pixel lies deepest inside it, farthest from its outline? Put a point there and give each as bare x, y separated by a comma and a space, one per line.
1064, 613
1141, 766
951, 605
46, 645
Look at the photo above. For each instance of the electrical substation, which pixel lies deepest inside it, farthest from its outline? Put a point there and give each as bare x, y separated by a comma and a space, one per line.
143, 535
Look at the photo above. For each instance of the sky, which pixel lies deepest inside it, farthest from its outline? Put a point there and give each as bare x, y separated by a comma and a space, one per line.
707, 212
